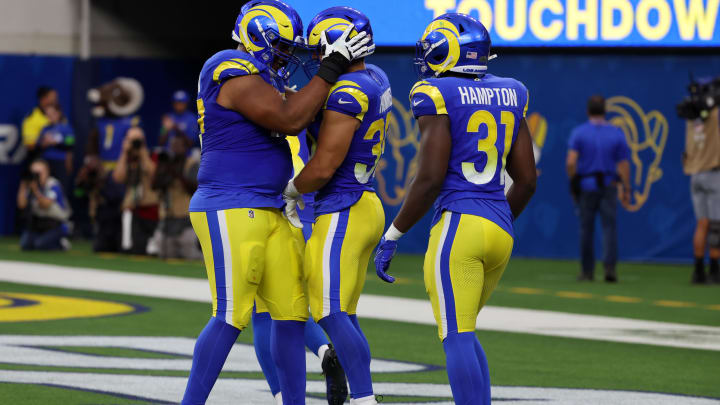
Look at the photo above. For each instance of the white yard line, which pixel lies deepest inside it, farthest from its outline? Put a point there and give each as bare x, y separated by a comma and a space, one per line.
493, 318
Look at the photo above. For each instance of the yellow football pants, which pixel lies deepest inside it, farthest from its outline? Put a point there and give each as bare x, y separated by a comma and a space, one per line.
337, 255
466, 257
249, 253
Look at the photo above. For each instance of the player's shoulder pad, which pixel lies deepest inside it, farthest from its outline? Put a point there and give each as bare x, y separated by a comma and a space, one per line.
427, 99
235, 63
348, 97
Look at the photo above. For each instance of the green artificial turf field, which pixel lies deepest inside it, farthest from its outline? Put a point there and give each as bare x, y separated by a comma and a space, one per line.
650, 292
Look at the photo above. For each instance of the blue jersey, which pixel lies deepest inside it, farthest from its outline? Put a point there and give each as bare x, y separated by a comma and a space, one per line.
243, 165
63, 134
600, 147
112, 131
365, 95
485, 115
187, 124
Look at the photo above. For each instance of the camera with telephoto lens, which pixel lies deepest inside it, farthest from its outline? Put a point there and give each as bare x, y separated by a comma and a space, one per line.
136, 144
703, 97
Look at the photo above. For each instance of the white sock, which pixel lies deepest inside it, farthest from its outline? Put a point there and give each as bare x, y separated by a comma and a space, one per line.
278, 398
368, 400
322, 350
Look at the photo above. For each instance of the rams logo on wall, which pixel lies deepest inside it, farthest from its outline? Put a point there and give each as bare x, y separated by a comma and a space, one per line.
403, 138
646, 134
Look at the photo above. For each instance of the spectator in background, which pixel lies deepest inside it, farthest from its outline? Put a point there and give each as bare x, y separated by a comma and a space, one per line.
45, 208
34, 123
105, 198
55, 145
107, 138
701, 161
598, 156
176, 181
180, 121
136, 170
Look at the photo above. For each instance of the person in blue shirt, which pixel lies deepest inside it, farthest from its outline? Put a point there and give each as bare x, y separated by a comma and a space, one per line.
473, 127
251, 254
598, 156
55, 145
180, 121
349, 218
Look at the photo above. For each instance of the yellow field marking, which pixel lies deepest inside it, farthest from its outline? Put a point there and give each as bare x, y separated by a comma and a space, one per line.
40, 307
623, 299
674, 304
139, 258
525, 290
177, 261
713, 307
108, 255
574, 294
404, 280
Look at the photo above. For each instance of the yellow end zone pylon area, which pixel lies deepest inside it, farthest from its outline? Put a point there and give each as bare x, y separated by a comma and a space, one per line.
20, 307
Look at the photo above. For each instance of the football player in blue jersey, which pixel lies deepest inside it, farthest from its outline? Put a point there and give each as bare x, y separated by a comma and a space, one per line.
350, 138
315, 339
472, 127
249, 250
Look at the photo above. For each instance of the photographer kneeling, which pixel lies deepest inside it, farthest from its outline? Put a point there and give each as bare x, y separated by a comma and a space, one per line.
45, 208
136, 170
175, 180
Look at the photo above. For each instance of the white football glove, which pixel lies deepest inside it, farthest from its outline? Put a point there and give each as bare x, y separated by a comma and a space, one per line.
293, 199
351, 48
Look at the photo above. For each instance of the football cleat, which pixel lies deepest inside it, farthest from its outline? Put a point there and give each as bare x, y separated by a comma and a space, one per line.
337, 388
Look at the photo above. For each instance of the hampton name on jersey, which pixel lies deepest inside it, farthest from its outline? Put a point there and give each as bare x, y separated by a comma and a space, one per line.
485, 115
242, 164
366, 96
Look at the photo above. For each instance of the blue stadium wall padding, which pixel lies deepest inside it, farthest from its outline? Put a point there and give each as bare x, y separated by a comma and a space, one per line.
643, 90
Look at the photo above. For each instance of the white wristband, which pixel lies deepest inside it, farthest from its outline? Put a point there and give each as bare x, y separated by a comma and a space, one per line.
393, 233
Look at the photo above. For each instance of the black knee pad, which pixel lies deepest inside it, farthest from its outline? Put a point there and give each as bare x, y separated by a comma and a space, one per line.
714, 235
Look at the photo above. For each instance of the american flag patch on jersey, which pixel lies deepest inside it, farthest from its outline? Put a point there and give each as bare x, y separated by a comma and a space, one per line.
471, 55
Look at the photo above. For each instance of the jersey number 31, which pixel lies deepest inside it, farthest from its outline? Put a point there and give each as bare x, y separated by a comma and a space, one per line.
488, 146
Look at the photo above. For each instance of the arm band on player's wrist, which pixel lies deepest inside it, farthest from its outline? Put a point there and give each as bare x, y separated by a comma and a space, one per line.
332, 67
393, 233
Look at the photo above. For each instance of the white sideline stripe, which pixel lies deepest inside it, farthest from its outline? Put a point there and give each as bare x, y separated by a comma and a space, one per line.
411, 310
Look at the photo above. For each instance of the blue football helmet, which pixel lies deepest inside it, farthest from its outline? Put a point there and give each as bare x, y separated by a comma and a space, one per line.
453, 43
271, 31
334, 21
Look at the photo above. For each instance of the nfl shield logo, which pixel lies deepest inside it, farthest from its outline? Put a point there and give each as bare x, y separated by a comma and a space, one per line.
471, 55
